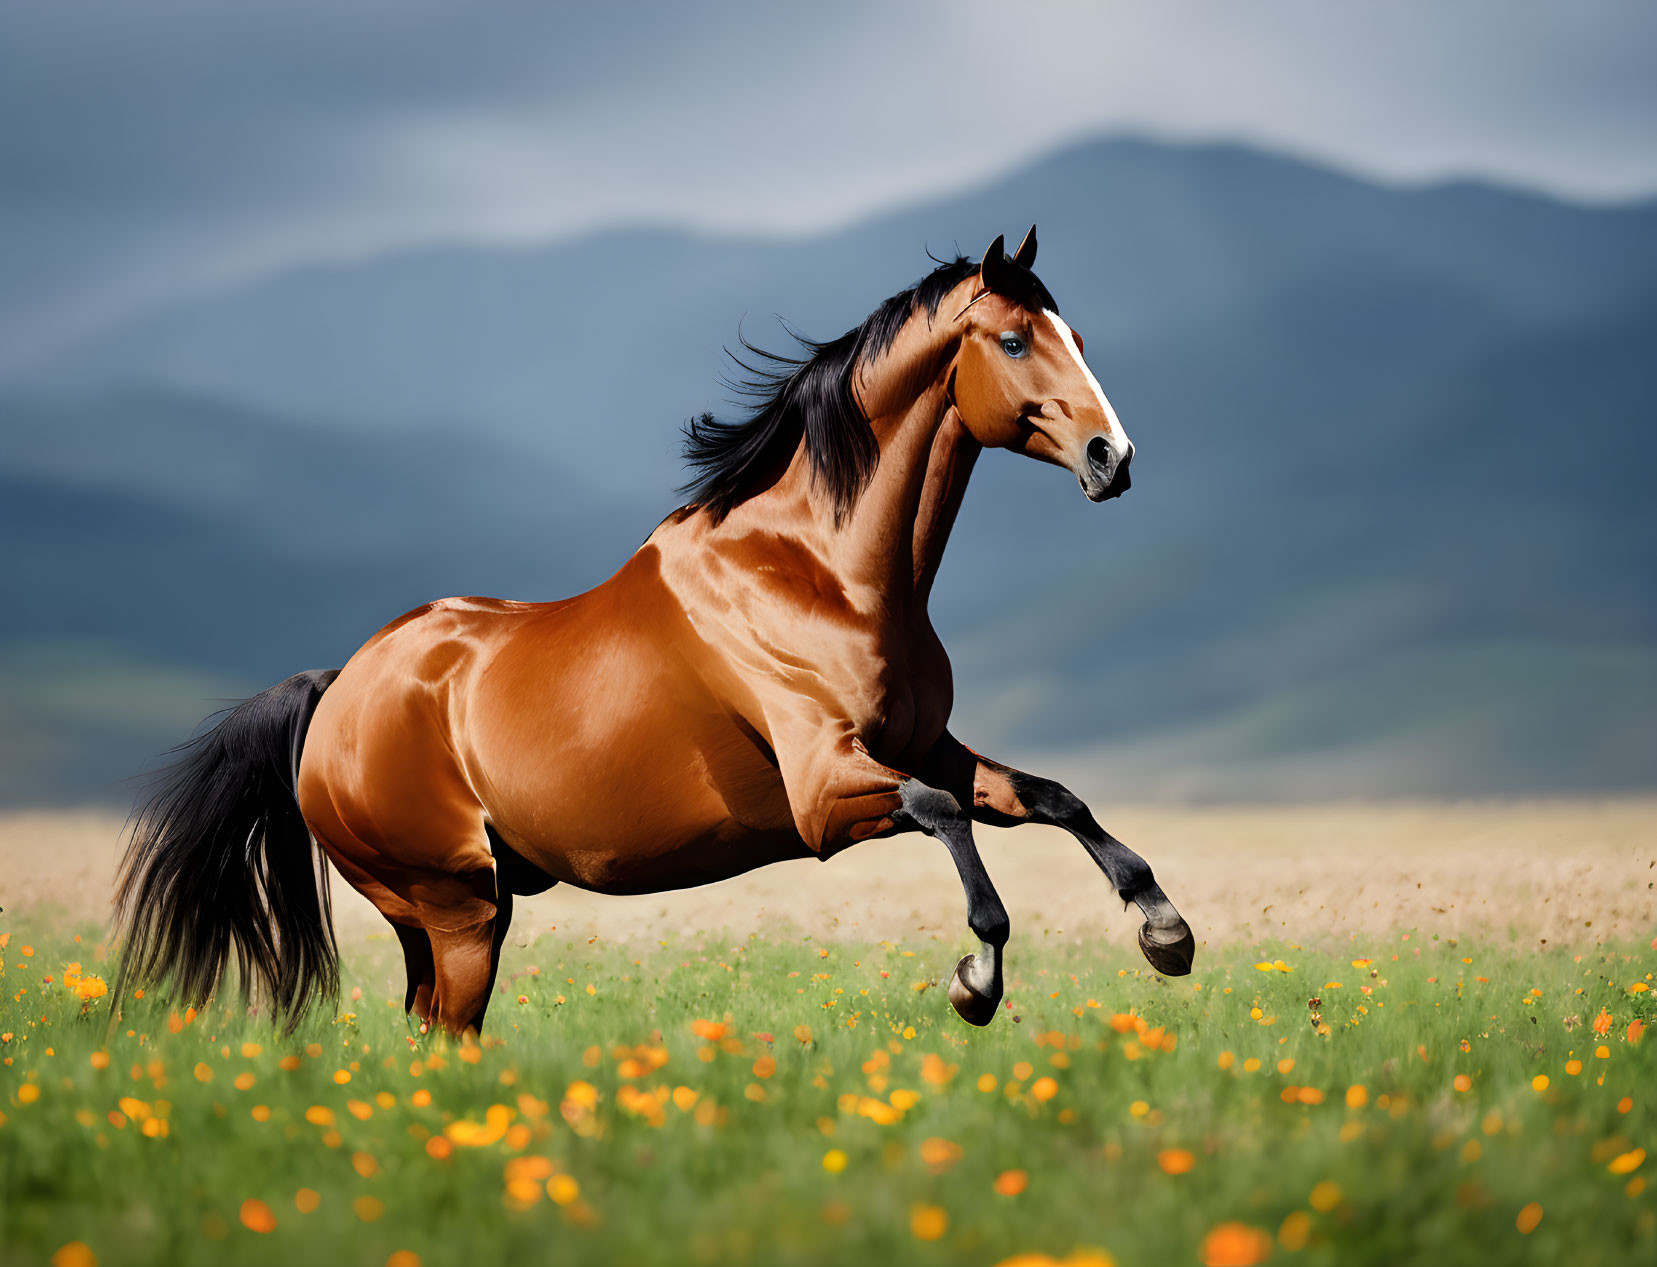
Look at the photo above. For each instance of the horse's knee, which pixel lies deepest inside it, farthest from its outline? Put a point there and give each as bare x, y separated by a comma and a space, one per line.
926, 808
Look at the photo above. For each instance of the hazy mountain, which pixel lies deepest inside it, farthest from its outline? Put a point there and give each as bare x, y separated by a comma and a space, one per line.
581, 347
1389, 531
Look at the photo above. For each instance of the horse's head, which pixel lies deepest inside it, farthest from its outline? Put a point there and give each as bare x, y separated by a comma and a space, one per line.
1021, 383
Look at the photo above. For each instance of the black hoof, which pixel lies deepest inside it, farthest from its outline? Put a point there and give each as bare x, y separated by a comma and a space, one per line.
972, 1007
1172, 958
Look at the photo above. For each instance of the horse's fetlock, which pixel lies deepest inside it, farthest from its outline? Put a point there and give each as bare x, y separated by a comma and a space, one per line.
1136, 880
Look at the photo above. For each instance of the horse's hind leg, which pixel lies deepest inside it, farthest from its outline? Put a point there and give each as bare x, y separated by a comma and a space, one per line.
422, 971
467, 961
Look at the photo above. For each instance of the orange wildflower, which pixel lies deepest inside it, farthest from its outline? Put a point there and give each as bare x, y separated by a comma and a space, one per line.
1009, 1183
1176, 1161
935, 1070
1236, 1245
928, 1222
939, 1154
1602, 1022
257, 1216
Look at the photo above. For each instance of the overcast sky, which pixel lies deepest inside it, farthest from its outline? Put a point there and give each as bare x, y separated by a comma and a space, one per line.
151, 149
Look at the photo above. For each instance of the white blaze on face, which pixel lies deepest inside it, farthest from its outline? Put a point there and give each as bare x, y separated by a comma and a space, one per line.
1067, 336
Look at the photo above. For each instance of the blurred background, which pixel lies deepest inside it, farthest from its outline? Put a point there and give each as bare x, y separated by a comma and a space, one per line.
311, 313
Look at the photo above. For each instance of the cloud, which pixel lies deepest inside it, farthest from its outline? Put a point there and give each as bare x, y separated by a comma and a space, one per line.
150, 150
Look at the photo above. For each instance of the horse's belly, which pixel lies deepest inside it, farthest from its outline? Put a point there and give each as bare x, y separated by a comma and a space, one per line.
726, 851
649, 785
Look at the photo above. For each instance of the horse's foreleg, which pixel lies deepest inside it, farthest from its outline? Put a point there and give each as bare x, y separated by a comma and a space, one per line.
1004, 797
975, 988
841, 795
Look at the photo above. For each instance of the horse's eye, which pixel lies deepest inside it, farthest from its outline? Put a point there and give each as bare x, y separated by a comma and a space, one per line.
1014, 346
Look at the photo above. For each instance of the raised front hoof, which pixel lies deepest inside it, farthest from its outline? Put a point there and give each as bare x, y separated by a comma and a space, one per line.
1170, 958
972, 1007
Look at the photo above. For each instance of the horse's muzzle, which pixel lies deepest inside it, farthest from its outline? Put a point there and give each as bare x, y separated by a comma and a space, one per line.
1105, 475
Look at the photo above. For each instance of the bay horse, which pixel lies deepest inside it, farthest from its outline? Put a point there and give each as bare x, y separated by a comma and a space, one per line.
760, 681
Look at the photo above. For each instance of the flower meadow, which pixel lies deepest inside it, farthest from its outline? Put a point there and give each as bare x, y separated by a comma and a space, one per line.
777, 1100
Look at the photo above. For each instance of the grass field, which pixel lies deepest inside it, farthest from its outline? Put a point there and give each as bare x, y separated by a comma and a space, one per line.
1391, 1098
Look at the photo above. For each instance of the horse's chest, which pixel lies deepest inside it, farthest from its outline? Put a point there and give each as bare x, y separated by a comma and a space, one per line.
903, 710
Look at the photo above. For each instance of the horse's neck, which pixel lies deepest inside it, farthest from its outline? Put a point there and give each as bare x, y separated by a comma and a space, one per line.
890, 545
894, 538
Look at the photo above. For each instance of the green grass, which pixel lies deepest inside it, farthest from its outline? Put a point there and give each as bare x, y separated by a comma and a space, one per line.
1418, 1171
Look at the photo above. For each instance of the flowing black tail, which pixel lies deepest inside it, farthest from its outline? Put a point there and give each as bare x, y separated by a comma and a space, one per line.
221, 860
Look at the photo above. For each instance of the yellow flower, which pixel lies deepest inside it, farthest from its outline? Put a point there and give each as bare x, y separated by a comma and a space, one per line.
468, 1134
834, 1161
1627, 1163
1295, 1231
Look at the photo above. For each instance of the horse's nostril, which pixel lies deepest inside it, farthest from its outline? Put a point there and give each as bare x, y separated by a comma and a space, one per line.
1098, 453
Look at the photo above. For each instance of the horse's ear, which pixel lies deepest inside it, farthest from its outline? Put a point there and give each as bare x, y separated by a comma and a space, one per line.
1026, 253
993, 273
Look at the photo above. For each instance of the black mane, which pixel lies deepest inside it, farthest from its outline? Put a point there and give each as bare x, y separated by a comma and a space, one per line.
810, 395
